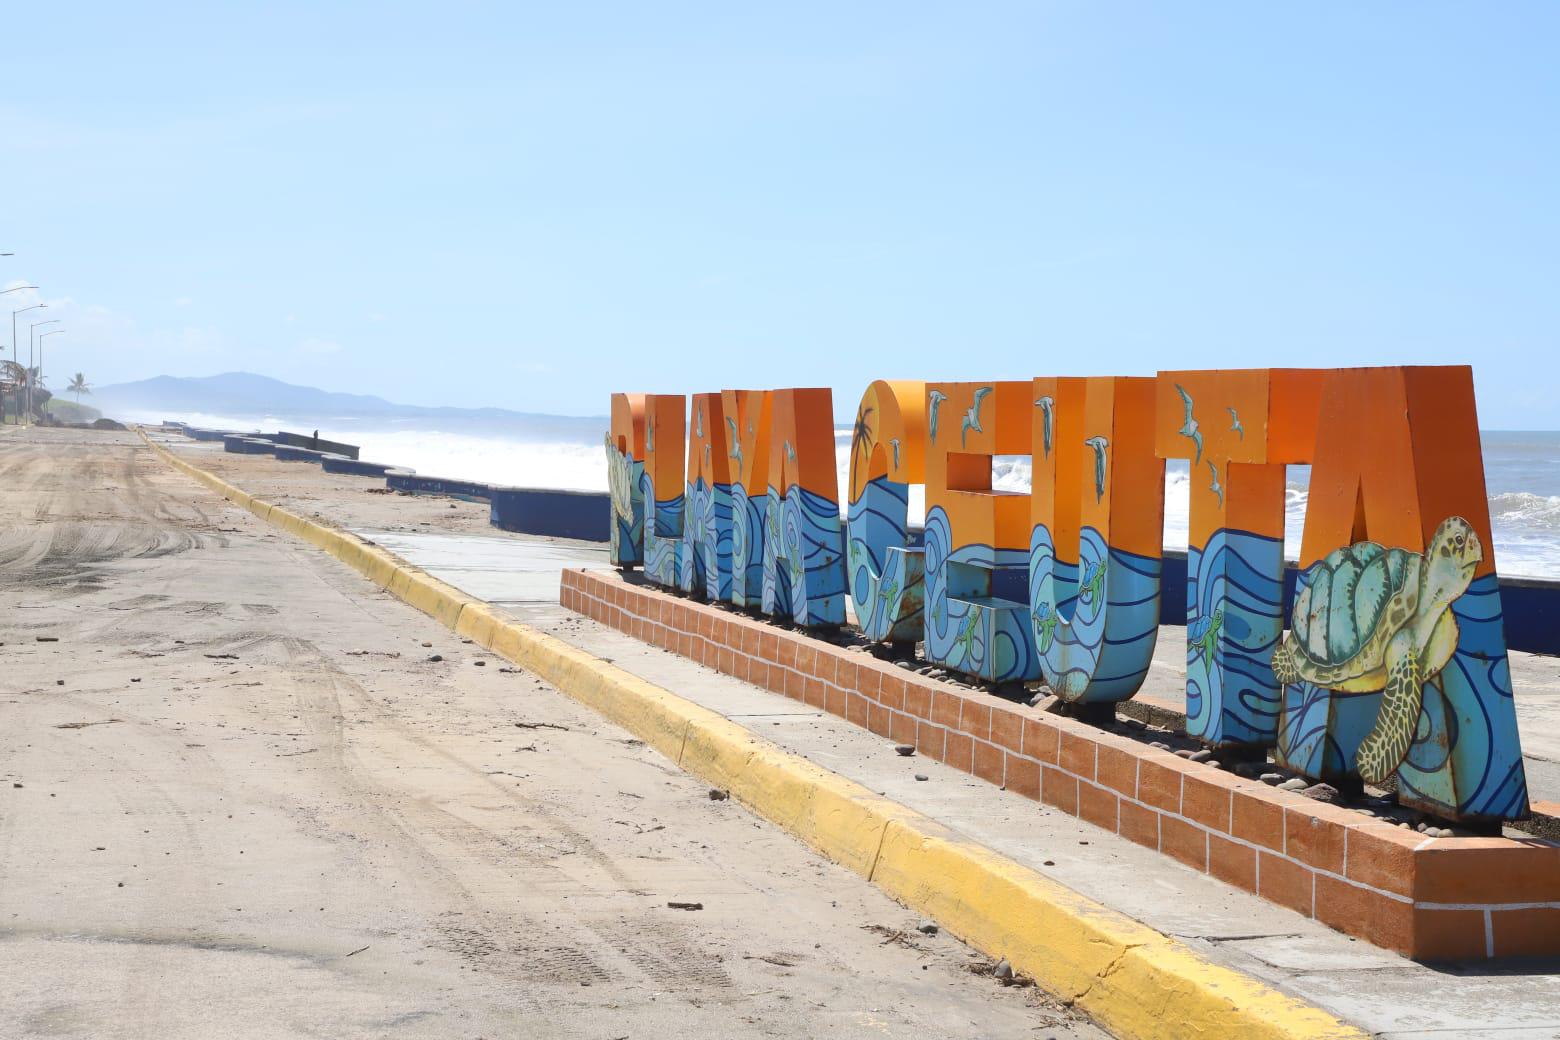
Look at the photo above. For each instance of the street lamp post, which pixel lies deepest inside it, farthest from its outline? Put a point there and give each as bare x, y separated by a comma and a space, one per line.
18, 288
22, 310
46, 335
31, 348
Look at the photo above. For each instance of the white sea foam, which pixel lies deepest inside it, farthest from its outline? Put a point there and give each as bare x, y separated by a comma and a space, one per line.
1526, 523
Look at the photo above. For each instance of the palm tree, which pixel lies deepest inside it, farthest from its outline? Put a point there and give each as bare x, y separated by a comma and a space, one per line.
14, 374
78, 386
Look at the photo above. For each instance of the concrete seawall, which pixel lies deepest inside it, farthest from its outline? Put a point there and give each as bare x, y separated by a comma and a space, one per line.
341, 464
409, 480
237, 444
561, 514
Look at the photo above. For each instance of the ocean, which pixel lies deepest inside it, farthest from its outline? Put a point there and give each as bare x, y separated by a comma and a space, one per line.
1521, 470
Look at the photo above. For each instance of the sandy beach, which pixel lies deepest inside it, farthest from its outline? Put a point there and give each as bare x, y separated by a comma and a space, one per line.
244, 791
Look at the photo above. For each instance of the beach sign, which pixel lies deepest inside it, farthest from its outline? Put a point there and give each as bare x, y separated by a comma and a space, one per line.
1384, 663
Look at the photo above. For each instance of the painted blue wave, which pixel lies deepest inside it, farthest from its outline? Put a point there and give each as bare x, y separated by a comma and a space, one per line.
663, 537
747, 547
804, 558
705, 567
967, 628
1467, 756
1234, 608
887, 587
1095, 622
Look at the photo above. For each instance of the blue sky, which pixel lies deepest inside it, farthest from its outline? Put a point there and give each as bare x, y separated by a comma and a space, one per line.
531, 206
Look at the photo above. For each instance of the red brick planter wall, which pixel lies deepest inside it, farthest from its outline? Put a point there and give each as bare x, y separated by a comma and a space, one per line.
1427, 898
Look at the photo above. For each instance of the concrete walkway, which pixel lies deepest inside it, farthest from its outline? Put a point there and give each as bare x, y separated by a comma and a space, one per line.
1379, 991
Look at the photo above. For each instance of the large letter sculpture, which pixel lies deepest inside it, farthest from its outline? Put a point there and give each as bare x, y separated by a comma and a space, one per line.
625, 467
1237, 430
804, 546
887, 455
747, 419
1096, 548
1395, 663
662, 481
977, 539
705, 568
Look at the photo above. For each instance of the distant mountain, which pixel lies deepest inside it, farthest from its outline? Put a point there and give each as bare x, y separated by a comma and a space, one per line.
244, 395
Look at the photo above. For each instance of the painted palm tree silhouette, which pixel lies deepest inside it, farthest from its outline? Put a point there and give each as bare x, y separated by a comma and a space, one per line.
862, 435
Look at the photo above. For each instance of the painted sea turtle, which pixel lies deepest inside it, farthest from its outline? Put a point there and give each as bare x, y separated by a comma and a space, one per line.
620, 482
1380, 619
1045, 626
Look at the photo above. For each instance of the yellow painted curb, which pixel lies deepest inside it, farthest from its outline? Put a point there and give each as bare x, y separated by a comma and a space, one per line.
1135, 981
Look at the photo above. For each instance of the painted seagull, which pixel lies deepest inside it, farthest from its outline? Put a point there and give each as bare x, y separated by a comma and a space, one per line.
972, 417
790, 452
1189, 428
938, 397
735, 451
1235, 424
698, 422
1047, 406
1099, 444
1216, 487
894, 442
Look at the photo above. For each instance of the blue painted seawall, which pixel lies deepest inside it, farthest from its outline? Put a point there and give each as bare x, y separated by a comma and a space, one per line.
238, 444
342, 464
304, 440
287, 453
406, 480
585, 515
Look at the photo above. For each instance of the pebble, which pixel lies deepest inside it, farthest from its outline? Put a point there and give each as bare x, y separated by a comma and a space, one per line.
920, 776
47, 639
1161, 745
1272, 778
906, 665
1204, 755
16, 785
1183, 753
435, 657
59, 682
1323, 793
1003, 970
718, 794
904, 750
427, 644
1294, 784
480, 664
927, 928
